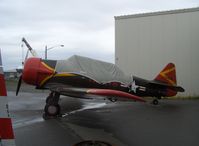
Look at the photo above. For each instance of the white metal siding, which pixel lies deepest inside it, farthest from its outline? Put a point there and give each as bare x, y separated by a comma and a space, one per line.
144, 45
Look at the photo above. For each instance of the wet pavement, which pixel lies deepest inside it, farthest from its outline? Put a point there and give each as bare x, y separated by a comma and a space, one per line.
173, 122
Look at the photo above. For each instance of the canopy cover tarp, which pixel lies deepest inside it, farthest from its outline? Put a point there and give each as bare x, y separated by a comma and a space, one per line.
102, 72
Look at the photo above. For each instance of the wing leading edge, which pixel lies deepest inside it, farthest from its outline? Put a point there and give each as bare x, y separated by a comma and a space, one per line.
116, 93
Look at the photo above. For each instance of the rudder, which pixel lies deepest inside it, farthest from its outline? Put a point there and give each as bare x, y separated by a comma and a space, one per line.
167, 75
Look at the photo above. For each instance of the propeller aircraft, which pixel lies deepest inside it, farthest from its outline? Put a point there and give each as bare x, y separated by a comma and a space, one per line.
83, 77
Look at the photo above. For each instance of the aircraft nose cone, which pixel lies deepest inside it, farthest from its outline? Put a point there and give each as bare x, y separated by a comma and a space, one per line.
35, 71
29, 74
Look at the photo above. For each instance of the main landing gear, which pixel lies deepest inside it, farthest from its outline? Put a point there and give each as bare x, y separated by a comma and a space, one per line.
52, 107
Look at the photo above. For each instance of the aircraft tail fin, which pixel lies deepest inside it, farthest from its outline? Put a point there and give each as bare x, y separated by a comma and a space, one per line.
167, 75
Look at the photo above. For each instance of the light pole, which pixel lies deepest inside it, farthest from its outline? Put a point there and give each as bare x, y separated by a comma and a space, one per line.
47, 49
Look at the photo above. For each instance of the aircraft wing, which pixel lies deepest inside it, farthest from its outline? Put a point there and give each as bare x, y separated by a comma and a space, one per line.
175, 88
89, 93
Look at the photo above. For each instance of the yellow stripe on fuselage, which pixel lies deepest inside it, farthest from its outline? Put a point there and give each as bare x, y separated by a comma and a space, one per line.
48, 77
64, 75
45, 79
48, 67
56, 75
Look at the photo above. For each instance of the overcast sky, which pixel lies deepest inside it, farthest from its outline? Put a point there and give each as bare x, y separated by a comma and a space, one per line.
84, 27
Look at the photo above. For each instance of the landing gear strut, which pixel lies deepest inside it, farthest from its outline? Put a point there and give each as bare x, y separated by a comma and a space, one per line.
52, 108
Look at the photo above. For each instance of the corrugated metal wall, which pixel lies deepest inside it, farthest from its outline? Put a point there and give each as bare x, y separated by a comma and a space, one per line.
144, 45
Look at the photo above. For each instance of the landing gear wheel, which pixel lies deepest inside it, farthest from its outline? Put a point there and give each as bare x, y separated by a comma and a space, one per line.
52, 110
155, 102
48, 99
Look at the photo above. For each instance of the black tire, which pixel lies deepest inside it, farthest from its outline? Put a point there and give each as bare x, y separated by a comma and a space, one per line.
47, 99
45, 117
52, 110
155, 102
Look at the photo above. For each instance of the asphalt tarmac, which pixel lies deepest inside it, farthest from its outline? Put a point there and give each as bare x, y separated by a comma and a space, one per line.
172, 123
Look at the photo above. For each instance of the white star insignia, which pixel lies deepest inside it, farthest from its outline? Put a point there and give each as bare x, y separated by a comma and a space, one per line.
134, 86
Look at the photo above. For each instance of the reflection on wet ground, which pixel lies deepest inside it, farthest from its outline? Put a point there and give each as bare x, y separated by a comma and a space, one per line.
121, 124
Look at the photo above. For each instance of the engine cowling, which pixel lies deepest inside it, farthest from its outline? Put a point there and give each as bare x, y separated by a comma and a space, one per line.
35, 71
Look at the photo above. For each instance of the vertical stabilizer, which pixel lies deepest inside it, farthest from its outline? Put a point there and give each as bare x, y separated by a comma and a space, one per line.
167, 75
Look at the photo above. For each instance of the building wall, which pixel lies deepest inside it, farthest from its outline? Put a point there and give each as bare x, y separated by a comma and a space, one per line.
145, 43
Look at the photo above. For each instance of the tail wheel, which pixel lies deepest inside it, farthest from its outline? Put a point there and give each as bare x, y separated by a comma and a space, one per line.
155, 102
52, 110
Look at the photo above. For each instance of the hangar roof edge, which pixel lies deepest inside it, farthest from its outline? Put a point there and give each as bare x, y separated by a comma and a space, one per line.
157, 13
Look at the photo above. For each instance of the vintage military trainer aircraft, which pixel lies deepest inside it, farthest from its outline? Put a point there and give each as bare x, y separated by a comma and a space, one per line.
82, 77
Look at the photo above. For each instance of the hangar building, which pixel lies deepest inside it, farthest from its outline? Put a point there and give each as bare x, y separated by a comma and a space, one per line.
145, 43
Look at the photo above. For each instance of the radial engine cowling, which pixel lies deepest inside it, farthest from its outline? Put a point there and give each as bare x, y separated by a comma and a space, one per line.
35, 71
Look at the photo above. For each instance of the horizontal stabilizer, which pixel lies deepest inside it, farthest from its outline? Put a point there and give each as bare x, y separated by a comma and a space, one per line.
175, 88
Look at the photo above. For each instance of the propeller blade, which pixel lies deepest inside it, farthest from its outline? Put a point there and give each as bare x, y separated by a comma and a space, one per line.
19, 85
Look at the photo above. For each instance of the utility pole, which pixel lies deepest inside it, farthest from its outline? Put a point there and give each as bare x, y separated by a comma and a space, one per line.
47, 49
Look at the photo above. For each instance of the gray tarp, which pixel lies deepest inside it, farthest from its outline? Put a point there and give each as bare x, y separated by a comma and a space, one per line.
100, 71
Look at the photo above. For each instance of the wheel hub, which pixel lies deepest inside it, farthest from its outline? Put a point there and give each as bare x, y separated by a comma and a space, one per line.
52, 109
